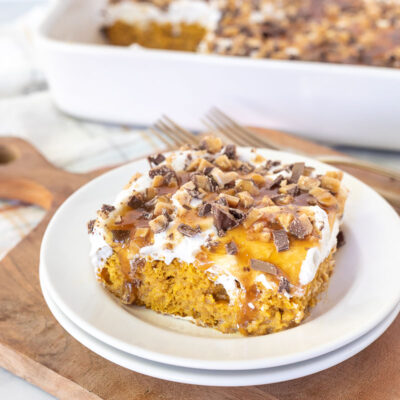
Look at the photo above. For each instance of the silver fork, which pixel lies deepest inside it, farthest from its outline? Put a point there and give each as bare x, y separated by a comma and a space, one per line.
216, 120
173, 136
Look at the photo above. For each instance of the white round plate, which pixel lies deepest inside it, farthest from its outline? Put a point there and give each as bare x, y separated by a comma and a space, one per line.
363, 289
212, 377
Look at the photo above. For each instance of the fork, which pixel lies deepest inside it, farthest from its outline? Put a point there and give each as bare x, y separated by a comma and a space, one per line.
219, 124
217, 120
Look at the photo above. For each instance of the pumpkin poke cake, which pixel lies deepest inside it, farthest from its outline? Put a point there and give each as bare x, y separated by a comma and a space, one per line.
337, 31
221, 236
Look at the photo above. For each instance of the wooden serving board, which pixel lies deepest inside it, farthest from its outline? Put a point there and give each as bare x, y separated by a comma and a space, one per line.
34, 346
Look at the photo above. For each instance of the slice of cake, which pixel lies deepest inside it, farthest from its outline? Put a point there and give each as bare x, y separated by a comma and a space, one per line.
223, 236
336, 31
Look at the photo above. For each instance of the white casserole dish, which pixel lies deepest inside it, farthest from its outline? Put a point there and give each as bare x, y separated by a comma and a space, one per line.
354, 105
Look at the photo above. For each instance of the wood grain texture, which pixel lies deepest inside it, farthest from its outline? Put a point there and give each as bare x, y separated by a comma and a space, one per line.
34, 346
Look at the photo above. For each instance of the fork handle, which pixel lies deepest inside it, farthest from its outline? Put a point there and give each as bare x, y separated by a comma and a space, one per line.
365, 165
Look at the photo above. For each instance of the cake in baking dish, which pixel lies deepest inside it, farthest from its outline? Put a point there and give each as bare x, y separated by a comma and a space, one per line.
222, 236
337, 31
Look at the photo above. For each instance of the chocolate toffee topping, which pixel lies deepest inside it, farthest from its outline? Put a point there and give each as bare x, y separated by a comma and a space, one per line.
155, 160
204, 210
207, 170
224, 219
264, 266
297, 171
284, 285
163, 170
136, 201
275, 183
298, 229
246, 168
231, 248
222, 200
341, 241
188, 231
281, 240
106, 209
293, 191
90, 225
120, 236
146, 215
230, 151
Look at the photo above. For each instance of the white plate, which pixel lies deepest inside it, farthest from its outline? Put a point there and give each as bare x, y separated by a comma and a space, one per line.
363, 290
212, 377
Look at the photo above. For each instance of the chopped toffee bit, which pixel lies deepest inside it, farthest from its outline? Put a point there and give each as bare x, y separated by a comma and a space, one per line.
281, 240
298, 229
230, 151
207, 170
246, 168
307, 183
188, 231
106, 209
222, 200
146, 215
323, 196
120, 236
231, 248
275, 183
224, 219
204, 210
155, 160
166, 214
264, 266
159, 224
246, 200
211, 244
163, 170
341, 241
292, 189
284, 285
136, 201
149, 205
297, 171
212, 144
90, 225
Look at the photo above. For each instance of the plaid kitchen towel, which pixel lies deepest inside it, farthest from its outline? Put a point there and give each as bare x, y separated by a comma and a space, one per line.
68, 143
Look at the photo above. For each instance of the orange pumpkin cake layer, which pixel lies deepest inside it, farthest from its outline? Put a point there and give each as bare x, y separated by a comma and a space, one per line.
221, 236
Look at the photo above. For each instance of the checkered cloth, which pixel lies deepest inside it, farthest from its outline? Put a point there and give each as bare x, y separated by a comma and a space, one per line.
68, 143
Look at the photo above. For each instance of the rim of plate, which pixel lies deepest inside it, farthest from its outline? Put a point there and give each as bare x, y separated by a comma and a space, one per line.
221, 377
359, 297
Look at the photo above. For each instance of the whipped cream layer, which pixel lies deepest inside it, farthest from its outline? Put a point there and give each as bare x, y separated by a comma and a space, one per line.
183, 11
187, 248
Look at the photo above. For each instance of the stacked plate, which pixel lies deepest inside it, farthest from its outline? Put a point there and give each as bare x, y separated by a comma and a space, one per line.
362, 300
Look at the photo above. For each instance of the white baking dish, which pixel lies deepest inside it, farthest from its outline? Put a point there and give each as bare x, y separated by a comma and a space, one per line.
344, 104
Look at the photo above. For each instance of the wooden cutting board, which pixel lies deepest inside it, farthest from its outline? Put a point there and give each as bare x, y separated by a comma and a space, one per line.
34, 346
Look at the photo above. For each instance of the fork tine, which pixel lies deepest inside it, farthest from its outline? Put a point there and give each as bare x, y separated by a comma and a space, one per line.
161, 137
188, 136
226, 131
248, 133
248, 140
160, 126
